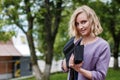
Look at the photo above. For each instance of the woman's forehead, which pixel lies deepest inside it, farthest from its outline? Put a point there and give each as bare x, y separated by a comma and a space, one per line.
81, 16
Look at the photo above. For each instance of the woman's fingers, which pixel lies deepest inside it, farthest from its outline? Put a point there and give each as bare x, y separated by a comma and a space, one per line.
77, 67
74, 66
71, 61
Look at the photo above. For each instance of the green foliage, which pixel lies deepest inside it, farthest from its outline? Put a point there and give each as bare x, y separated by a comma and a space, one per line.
80, 2
61, 39
47, 29
62, 35
5, 36
42, 45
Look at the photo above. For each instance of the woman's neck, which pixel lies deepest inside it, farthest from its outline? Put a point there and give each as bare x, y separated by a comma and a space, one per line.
88, 39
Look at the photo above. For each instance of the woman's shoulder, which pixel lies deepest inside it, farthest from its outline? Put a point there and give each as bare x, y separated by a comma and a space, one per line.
102, 41
103, 46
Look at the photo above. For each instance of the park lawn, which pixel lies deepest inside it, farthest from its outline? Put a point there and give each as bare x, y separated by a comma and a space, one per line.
112, 75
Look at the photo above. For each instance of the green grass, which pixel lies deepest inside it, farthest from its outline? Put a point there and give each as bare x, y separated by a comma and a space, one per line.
59, 76
112, 75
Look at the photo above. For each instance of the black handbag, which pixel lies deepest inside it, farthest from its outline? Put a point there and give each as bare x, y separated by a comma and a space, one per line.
76, 49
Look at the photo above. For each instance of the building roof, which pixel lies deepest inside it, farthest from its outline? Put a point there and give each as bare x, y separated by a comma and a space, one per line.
21, 44
8, 49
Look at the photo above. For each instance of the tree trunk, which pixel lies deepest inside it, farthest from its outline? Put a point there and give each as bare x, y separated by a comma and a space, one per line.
116, 63
116, 40
51, 29
36, 69
46, 75
38, 73
30, 19
48, 60
115, 53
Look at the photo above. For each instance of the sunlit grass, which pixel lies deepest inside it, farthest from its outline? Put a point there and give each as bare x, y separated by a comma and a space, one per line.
111, 75
59, 76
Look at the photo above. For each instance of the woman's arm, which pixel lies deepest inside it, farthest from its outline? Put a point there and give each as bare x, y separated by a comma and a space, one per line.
86, 73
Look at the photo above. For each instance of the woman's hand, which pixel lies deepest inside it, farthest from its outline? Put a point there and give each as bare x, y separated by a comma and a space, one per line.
76, 67
64, 65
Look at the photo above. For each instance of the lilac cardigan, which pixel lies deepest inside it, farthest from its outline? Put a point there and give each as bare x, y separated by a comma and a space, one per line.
96, 59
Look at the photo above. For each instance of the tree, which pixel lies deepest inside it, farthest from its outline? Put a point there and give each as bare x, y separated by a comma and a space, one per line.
50, 17
13, 11
112, 18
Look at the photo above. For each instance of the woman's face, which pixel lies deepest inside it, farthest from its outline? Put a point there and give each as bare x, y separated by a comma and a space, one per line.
83, 25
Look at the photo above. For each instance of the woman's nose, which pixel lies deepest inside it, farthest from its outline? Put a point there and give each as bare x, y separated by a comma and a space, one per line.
80, 26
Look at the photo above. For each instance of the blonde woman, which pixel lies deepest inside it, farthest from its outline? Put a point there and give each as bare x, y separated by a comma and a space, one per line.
85, 25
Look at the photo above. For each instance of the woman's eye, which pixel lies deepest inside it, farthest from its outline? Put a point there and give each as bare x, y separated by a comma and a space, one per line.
83, 22
76, 24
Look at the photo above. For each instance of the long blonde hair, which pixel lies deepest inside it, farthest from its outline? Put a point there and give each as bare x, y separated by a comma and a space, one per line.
94, 21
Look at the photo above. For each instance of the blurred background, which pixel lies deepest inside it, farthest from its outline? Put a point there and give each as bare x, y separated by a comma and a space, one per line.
33, 33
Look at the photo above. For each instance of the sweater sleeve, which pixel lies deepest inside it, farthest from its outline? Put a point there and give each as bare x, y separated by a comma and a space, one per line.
102, 64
